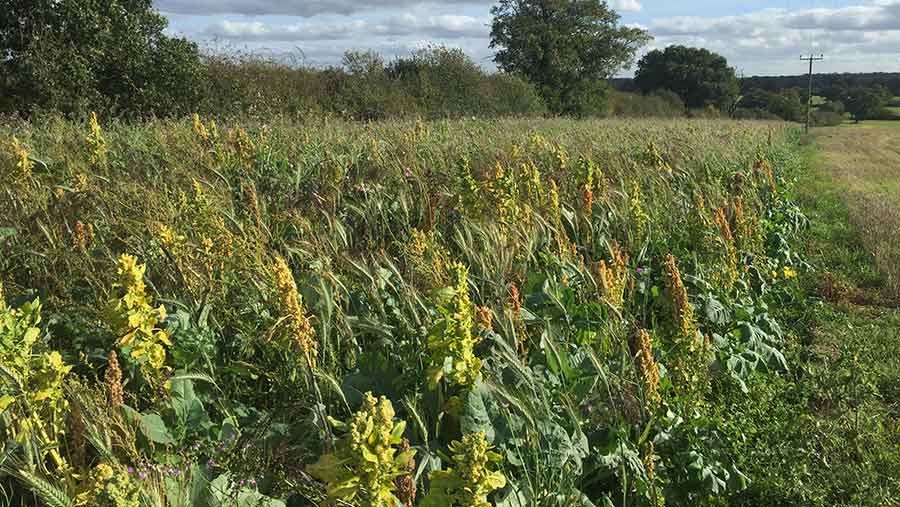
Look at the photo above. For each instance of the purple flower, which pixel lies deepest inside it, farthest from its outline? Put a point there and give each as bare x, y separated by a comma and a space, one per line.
640, 270
142, 474
130, 470
408, 173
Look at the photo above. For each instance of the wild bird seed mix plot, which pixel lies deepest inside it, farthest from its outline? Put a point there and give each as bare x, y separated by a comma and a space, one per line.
464, 313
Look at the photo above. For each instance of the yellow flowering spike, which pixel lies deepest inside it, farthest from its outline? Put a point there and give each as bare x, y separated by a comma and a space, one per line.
471, 478
96, 142
451, 340
24, 164
365, 463
136, 320
638, 215
292, 305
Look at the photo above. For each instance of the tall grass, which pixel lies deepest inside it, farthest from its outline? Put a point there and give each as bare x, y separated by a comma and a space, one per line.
518, 278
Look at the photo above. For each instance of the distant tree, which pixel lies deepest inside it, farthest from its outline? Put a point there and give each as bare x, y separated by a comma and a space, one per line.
833, 106
566, 48
701, 78
894, 86
867, 103
782, 105
74, 55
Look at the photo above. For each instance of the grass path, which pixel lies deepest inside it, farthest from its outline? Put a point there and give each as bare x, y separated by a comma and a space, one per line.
851, 344
828, 434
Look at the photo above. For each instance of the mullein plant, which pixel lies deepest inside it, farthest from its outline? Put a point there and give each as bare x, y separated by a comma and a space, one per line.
639, 216
137, 323
367, 461
451, 340
470, 478
97, 143
33, 406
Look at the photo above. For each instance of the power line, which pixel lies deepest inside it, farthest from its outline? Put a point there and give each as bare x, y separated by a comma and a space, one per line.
810, 59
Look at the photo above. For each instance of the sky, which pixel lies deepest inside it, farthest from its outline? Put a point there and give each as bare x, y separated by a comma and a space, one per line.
761, 37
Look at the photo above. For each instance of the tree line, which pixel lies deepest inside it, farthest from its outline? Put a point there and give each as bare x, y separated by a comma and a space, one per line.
557, 57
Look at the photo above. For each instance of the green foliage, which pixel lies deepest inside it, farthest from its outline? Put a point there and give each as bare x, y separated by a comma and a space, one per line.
566, 49
76, 56
563, 227
432, 82
784, 106
866, 103
701, 78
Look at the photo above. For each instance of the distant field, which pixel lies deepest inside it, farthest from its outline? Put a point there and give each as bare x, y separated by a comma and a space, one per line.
870, 180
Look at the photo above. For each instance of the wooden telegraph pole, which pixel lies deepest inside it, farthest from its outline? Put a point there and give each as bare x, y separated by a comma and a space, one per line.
810, 59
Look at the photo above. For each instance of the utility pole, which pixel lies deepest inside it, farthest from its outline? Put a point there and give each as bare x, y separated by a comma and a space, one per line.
810, 59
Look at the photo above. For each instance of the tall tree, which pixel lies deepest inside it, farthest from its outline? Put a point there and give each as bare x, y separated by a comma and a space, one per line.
866, 103
700, 77
74, 55
566, 48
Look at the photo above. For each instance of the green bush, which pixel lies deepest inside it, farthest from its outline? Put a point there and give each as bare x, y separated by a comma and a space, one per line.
826, 119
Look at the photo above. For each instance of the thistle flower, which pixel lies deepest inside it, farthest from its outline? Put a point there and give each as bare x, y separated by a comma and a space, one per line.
301, 329
471, 478
451, 341
365, 463
113, 378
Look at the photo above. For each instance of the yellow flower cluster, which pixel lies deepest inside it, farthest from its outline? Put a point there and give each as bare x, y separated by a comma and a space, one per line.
96, 142
109, 487
471, 478
32, 384
301, 329
362, 469
613, 277
451, 340
135, 319
638, 215
787, 273
427, 257
24, 164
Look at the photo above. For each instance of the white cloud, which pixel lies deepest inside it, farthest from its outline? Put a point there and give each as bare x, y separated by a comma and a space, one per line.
440, 26
626, 5
303, 8
770, 41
